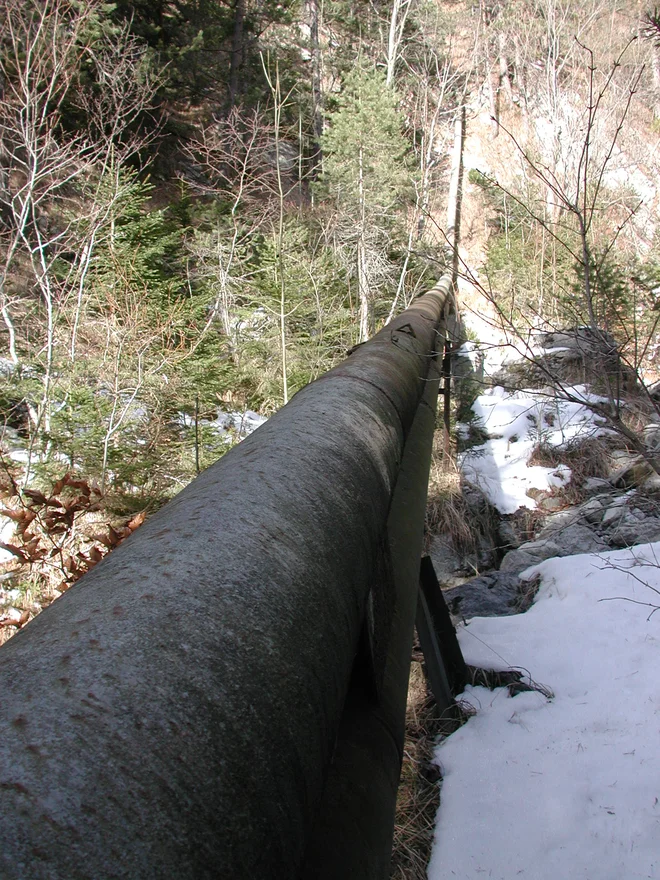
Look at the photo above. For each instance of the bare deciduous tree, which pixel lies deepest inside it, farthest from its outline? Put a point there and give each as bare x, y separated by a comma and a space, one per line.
60, 179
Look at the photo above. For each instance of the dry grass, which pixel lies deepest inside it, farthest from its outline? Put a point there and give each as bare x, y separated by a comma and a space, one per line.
443, 508
528, 591
418, 797
586, 458
469, 526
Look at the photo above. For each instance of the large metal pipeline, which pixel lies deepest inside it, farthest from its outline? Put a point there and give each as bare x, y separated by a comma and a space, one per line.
223, 696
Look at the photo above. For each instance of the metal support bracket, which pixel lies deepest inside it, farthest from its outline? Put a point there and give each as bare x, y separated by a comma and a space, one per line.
446, 667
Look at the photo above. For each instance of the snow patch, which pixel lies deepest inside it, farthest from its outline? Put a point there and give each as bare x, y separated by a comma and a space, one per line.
516, 423
568, 787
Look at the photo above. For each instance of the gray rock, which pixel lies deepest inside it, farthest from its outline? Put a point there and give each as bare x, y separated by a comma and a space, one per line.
612, 516
491, 595
557, 521
596, 485
573, 355
551, 502
652, 483
577, 539
632, 518
633, 473
509, 536
652, 437
571, 540
446, 560
627, 535
592, 510
528, 554
619, 457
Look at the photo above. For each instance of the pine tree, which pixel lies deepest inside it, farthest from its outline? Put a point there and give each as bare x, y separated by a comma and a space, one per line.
366, 174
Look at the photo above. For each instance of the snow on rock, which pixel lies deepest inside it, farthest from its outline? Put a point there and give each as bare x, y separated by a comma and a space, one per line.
516, 423
243, 423
474, 355
567, 787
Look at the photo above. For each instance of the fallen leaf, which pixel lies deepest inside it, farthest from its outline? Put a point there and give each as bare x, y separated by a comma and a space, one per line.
136, 521
117, 535
59, 485
35, 496
53, 501
70, 564
16, 515
16, 551
100, 538
24, 523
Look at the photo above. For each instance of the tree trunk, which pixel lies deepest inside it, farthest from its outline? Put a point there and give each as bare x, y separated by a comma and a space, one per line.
505, 81
317, 79
363, 289
455, 193
236, 51
362, 271
656, 81
400, 9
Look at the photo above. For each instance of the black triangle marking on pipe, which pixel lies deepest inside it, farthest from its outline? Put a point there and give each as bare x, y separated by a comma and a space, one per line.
406, 328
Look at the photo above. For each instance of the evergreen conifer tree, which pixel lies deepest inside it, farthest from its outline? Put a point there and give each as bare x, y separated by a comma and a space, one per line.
366, 174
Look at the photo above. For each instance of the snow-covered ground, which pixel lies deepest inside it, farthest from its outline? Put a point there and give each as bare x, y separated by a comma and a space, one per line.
562, 786
566, 787
240, 423
516, 422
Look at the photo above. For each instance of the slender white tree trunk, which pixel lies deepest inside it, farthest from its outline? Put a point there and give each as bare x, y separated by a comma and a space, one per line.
400, 10
362, 269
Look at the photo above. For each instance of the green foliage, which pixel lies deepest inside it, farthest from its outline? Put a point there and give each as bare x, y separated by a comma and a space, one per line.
158, 312
317, 318
610, 290
478, 178
365, 151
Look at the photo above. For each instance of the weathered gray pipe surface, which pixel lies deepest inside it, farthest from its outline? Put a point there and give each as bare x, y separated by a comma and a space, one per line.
174, 714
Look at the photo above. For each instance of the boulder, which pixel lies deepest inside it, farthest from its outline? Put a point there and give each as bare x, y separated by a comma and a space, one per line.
613, 515
508, 535
558, 521
491, 595
567, 541
628, 534
633, 473
596, 485
652, 483
652, 437
592, 510
528, 554
577, 539
550, 502
573, 356
447, 562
